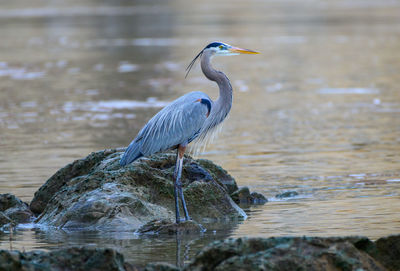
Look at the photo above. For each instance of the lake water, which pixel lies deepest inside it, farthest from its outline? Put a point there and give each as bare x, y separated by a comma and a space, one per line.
317, 112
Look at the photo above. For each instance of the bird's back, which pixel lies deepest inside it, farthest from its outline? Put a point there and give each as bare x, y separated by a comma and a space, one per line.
178, 123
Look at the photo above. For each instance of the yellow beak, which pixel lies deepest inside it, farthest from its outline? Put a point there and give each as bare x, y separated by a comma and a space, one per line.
238, 50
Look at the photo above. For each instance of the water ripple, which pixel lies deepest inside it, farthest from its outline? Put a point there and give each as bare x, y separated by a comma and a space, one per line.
80, 11
108, 106
348, 91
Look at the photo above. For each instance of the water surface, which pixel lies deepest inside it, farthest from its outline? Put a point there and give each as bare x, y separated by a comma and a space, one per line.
317, 112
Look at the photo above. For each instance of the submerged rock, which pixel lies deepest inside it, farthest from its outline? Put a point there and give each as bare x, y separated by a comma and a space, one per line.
64, 259
243, 196
13, 210
286, 253
287, 194
96, 193
169, 227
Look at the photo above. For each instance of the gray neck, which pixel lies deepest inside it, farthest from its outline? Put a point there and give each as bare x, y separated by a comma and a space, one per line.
223, 104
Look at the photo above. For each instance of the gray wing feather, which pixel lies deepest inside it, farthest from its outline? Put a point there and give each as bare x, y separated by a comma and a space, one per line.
177, 123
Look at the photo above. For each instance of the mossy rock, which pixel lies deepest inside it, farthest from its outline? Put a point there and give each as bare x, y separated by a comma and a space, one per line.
96, 193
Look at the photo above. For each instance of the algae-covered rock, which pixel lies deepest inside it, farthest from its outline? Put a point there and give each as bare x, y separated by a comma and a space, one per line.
96, 193
285, 253
63, 259
219, 174
14, 209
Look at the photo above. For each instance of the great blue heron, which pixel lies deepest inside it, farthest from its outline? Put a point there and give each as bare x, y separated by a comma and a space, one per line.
192, 116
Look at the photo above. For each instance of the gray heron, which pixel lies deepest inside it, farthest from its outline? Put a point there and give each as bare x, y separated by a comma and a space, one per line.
193, 116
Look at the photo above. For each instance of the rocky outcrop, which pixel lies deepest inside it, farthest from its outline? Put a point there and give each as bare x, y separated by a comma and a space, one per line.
279, 254
13, 210
299, 253
96, 193
64, 259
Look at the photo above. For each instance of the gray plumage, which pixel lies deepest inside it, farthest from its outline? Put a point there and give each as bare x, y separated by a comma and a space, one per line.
178, 123
191, 117
184, 120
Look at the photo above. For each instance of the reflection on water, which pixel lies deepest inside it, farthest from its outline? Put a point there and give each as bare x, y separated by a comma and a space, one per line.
316, 113
138, 249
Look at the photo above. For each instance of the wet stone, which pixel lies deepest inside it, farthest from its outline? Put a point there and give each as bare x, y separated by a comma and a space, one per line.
15, 209
257, 198
243, 196
169, 227
287, 194
285, 253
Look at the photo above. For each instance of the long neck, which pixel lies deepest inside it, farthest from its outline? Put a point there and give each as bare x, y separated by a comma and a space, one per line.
223, 104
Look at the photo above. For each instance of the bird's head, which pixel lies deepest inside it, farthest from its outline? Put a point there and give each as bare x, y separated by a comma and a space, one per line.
223, 49
220, 49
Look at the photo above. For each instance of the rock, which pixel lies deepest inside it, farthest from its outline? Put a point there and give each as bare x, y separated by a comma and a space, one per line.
63, 176
63, 259
388, 252
287, 194
96, 193
285, 253
169, 227
220, 175
243, 196
257, 198
275, 253
13, 208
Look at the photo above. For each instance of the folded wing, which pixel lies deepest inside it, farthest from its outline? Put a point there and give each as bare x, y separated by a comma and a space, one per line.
178, 123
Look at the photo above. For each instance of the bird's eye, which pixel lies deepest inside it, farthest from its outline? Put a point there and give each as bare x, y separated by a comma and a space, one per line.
221, 47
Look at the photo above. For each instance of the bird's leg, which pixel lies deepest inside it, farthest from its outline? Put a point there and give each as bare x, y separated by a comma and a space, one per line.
177, 174
178, 183
181, 152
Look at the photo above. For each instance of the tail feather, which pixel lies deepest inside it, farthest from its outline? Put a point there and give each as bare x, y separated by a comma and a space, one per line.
131, 154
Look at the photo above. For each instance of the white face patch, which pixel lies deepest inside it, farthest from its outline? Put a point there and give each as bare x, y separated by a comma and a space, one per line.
226, 53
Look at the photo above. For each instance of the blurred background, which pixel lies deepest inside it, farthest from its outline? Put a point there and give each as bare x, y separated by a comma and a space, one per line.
317, 112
